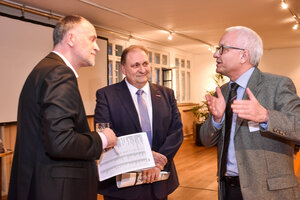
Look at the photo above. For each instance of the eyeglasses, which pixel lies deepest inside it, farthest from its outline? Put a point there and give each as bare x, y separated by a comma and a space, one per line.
221, 48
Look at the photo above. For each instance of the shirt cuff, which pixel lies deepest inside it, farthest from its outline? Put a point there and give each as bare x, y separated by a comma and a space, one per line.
264, 125
104, 140
216, 124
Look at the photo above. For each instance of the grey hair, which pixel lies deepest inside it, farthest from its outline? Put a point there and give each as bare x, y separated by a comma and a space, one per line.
64, 25
250, 40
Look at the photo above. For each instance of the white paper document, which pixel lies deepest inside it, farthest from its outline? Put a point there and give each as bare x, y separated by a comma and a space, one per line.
134, 153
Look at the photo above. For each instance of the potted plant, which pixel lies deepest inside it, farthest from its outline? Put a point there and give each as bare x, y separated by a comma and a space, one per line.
201, 111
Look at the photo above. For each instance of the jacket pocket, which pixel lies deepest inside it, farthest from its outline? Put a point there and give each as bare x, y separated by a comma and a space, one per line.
69, 172
282, 182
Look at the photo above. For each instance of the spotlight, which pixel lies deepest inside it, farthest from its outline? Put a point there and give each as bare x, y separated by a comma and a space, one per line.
170, 37
296, 26
284, 5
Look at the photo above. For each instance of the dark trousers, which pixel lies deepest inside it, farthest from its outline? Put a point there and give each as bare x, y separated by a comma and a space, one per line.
232, 188
111, 198
146, 197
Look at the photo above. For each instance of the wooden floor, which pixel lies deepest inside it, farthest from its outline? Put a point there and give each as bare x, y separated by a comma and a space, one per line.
197, 169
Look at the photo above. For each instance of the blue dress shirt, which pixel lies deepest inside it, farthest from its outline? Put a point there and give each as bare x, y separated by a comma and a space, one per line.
242, 81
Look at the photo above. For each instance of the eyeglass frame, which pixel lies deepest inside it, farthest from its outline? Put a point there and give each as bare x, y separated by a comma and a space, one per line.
221, 48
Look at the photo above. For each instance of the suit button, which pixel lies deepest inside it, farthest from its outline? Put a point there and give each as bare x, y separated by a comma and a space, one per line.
281, 132
275, 130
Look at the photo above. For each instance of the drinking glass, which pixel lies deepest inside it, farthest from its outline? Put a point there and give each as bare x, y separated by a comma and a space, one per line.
101, 126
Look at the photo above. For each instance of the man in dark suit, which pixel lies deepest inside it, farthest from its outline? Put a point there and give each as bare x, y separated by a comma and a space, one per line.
119, 105
55, 149
256, 130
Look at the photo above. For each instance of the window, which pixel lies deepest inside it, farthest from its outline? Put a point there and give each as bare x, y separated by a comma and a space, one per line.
119, 75
188, 80
182, 63
157, 75
110, 69
188, 64
150, 56
110, 50
119, 50
167, 77
176, 62
165, 60
150, 79
177, 91
183, 85
157, 58
115, 49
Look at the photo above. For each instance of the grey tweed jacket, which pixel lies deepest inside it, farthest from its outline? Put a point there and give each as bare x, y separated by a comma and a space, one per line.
264, 157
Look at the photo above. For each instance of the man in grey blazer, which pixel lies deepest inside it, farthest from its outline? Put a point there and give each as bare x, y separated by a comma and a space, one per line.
256, 161
55, 150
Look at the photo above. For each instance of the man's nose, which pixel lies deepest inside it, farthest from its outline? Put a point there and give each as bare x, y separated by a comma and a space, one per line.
96, 47
216, 54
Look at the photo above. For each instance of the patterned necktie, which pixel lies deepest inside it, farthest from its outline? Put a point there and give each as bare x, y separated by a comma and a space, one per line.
228, 123
145, 121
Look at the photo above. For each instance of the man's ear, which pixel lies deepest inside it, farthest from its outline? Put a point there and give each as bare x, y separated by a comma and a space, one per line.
123, 69
70, 39
245, 56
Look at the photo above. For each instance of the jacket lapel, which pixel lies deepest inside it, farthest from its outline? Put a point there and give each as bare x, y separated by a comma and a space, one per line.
254, 85
128, 104
155, 98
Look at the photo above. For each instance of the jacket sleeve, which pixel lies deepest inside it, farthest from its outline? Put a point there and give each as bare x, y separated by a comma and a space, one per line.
209, 135
284, 116
65, 129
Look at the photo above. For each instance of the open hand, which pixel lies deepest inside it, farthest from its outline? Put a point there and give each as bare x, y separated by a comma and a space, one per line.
216, 105
250, 109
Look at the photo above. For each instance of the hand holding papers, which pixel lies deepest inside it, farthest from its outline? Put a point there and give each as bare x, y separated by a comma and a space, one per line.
104, 130
134, 154
135, 178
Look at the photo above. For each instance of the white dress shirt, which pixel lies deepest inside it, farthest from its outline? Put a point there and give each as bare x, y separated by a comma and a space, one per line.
146, 96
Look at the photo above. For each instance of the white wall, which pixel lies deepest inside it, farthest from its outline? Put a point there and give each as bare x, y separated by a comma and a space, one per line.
283, 62
203, 72
277, 61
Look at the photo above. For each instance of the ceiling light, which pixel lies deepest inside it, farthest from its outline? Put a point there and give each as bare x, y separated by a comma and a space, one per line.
296, 26
211, 49
284, 5
170, 37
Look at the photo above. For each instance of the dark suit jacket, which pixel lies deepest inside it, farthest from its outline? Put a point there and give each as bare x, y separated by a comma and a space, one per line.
264, 157
115, 105
55, 150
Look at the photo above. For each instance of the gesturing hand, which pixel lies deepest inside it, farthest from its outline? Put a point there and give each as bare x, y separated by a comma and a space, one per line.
250, 109
216, 105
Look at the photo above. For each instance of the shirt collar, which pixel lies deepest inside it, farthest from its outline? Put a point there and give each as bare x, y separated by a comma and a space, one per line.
133, 89
242, 81
67, 63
